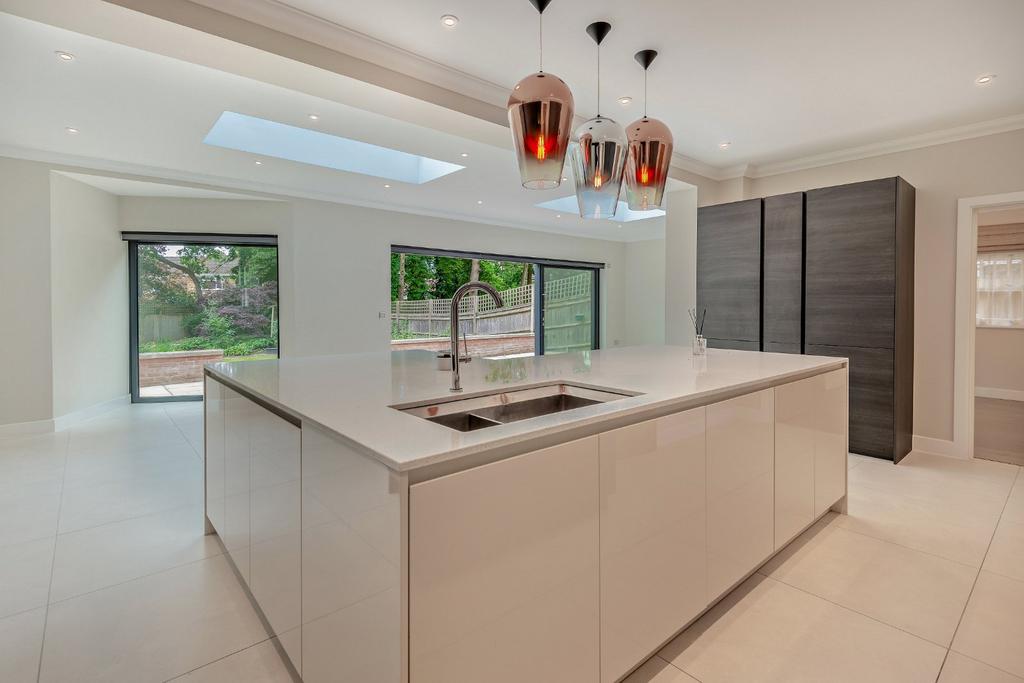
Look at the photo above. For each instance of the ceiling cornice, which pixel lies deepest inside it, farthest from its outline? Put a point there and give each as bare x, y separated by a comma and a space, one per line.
875, 149
130, 171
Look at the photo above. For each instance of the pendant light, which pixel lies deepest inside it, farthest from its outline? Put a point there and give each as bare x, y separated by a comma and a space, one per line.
540, 114
650, 153
598, 154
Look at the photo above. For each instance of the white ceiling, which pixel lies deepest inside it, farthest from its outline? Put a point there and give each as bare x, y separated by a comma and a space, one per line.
780, 80
141, 113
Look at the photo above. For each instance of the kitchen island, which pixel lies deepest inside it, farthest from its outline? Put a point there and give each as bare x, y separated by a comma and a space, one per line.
560, 519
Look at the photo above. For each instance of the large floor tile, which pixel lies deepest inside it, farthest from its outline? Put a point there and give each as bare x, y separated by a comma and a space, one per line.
657, 670
257, 664
961, 669
29, 513
150, 629
21, 637
1006, 554
113, 464
173, 485
914, 591
768, 631
29, 461
934, 478
113, 553
992, 630
957, 530
25, 575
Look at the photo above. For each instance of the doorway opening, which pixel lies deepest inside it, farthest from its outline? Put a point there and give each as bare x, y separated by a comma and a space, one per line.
197, 299
551, 306
999, 336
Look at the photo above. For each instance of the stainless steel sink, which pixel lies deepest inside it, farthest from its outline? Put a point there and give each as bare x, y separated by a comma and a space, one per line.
489, 410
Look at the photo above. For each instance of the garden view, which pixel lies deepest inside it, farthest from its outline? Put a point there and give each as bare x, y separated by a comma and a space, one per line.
201, 303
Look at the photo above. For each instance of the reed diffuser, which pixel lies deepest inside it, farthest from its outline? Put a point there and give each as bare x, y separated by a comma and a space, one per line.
700, 344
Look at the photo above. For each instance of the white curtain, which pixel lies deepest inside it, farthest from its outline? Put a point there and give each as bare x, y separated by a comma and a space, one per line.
1001, 289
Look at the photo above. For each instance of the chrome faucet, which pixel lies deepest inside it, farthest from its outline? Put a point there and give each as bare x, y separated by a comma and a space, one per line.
456, 298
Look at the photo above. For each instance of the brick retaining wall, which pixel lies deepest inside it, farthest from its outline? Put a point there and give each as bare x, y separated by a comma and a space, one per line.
175, 367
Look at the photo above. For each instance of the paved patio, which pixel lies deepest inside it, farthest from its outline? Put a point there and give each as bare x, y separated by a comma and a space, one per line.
165, 390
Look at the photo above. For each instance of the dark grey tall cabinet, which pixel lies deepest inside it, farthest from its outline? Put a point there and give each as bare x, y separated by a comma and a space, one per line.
729, 274
859, 303
783, 308
829, 272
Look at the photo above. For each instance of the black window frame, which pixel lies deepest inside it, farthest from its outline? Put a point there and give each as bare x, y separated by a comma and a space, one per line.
539, 264
134, 240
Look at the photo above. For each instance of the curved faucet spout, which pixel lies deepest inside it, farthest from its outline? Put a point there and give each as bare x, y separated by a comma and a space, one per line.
461, 292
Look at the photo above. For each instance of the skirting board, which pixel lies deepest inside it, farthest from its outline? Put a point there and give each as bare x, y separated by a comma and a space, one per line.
995, 392
943, 447
64, 421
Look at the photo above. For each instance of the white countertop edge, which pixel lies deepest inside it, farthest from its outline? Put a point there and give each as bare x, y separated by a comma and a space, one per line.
520, 440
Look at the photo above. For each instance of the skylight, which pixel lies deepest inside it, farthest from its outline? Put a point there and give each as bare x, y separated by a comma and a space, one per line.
273, 139
623, 214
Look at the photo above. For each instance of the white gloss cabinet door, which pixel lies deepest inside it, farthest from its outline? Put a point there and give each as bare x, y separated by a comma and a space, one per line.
237, 480
213, 450
830, 447
275, 565
503, 570
353, 511
741, 526
653, 536
796, 425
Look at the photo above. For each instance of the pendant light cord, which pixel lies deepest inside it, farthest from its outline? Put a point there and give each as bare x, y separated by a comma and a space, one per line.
645, 93
599, 80
540, 24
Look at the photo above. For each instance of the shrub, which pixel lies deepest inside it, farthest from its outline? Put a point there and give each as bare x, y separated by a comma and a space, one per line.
216, 326
248, 347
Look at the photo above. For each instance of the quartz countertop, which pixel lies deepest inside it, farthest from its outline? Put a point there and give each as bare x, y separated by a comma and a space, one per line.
351, 395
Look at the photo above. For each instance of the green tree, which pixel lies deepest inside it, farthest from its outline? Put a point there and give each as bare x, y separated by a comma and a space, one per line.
256, 265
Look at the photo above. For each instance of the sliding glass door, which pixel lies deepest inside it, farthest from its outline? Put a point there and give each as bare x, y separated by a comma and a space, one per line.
550, 306
568, 309
198, 299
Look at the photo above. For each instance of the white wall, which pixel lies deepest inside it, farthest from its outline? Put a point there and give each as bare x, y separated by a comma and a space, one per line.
999, 355
942, 174
89, 304
26, 390
645, 292
680, 265
335, 267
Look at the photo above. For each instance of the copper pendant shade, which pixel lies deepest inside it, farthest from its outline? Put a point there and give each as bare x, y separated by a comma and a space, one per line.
598, 153
650, 153
540, 114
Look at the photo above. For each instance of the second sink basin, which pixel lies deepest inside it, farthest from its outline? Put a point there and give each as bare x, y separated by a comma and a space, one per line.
489, 410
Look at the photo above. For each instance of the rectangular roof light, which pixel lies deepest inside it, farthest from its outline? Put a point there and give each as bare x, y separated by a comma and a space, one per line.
272, 139
623, 214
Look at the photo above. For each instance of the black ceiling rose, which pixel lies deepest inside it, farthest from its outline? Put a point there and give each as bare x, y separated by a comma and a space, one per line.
541, 5
598, 30
645, 58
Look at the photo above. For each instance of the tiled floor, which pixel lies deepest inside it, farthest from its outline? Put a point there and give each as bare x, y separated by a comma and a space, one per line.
106, 575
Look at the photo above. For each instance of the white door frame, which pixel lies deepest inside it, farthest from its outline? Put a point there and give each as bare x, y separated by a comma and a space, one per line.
966, 299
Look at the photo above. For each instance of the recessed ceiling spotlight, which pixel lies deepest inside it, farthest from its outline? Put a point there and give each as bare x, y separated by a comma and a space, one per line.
464, 155
314, 117
724, 145
386, 186
558, 215
259, 163
64, 56
449, 20
984, 79
479, 201
625, 100
71, 130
